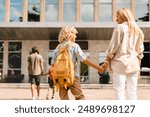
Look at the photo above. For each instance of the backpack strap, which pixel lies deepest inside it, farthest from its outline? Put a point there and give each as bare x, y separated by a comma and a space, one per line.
67, 46
59, 48
65, 49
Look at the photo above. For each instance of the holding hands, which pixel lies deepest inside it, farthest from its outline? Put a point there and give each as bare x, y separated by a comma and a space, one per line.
103, 67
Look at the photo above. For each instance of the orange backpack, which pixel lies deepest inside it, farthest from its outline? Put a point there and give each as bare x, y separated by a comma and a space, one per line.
63, 68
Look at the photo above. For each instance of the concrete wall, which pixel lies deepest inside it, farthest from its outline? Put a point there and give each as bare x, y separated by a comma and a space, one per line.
96, 46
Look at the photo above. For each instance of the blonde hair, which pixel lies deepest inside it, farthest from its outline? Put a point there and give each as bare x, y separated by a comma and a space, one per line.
127, 16
65, 33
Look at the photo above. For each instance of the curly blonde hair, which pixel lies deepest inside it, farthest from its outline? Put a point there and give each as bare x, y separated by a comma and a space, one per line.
66, 32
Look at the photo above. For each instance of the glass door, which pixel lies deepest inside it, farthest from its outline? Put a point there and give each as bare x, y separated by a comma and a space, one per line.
1, 59
84, 71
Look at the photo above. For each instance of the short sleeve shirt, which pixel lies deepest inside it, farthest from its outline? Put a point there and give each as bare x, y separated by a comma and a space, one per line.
75, 53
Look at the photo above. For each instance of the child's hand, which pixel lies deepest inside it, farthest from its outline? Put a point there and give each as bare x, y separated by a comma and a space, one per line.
42, 73
105, 65
101, 69
51, 74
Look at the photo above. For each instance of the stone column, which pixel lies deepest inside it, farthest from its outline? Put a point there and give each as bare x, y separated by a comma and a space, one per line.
25, 10
42, 12
7, 10
132, 7
60, 10
113, 10
78, 10
5, 58
96, 10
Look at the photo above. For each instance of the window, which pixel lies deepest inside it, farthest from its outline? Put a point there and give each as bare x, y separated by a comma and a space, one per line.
16, 10
87, 10
82, 44
53, 44
1, 59
145, 64
105, 5
34, 10
84, 71
102, 56
69, 10
122, 4
2, 10
50, 55
141, 10
51, 11
14, 58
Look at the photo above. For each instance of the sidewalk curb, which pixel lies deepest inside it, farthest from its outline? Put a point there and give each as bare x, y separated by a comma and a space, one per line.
84, 86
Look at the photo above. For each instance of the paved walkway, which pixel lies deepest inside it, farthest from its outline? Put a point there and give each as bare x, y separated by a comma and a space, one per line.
21, 91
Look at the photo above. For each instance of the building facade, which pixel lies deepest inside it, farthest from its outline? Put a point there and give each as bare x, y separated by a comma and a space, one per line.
28, 23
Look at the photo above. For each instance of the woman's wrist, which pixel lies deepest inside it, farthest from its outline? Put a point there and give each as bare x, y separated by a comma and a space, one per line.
106, 61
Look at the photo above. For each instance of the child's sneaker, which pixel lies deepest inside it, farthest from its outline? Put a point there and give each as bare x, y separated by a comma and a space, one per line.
33, 98
38, 98
52, 98
47, 97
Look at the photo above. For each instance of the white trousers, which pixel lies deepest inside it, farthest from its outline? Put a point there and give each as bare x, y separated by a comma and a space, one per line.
128, 80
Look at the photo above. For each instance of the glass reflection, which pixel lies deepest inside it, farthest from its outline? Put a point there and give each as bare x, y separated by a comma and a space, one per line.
84, 71
69, 9
2, 9
105, 10
51, 10
14, 58
141, 10
122, 4
35, 1
16, 10
87, 10
34, 10
15, 46
1, 46
51, 1
16, 1
1, 59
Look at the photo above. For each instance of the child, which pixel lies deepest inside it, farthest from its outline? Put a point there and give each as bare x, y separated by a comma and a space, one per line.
67, 35
51, 85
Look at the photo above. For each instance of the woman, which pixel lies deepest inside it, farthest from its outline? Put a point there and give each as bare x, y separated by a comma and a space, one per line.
126, 47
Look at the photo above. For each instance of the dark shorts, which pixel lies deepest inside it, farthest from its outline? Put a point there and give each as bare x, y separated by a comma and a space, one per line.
51, 83
35, 79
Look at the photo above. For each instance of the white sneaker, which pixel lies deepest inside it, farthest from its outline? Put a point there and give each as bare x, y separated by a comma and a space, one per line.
38, 98
47, 97
33, 98
52, 98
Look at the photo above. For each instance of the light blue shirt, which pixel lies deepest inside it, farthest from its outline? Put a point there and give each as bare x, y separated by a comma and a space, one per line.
75, 53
